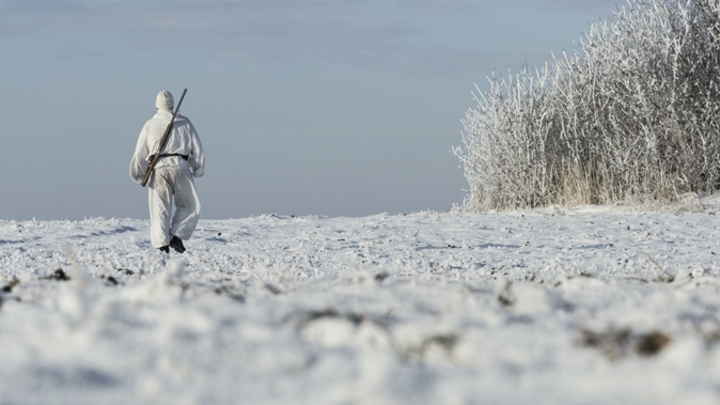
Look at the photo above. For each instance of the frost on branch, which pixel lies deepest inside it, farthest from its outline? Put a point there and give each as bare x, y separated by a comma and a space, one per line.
632, 117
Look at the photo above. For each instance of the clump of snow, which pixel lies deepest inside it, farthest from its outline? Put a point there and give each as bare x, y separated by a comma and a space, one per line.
589, 305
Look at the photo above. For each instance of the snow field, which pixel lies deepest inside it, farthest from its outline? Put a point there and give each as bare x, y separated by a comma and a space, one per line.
589, 306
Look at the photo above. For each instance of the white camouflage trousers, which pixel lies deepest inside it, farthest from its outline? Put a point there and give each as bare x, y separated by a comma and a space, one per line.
170, 185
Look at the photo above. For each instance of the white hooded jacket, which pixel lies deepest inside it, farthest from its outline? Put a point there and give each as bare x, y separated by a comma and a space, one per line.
183, 140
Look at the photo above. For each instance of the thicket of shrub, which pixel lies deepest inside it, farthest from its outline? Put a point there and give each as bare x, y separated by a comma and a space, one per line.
632, 116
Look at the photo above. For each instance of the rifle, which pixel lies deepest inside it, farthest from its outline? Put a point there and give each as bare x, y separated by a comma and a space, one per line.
163, 140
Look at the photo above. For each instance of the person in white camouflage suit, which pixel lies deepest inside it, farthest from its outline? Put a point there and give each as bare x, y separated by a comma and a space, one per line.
180, 161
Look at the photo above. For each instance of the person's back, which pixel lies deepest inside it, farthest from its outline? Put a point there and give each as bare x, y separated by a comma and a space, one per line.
180, 160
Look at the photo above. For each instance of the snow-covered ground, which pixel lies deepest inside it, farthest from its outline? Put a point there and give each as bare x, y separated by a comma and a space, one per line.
585, 306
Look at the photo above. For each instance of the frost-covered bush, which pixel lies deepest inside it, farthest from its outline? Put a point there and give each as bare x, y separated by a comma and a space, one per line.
632, 116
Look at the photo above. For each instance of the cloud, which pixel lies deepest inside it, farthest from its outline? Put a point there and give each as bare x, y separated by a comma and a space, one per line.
284, 31
261, 27
597, 8
280, 30
445, 6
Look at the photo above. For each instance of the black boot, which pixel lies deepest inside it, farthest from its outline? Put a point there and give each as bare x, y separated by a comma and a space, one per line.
165, 249
177, 244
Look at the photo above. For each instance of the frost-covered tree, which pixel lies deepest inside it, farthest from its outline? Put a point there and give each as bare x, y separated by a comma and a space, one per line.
632, 116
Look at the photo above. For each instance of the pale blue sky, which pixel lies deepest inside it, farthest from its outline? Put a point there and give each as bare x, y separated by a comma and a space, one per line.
325, 107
